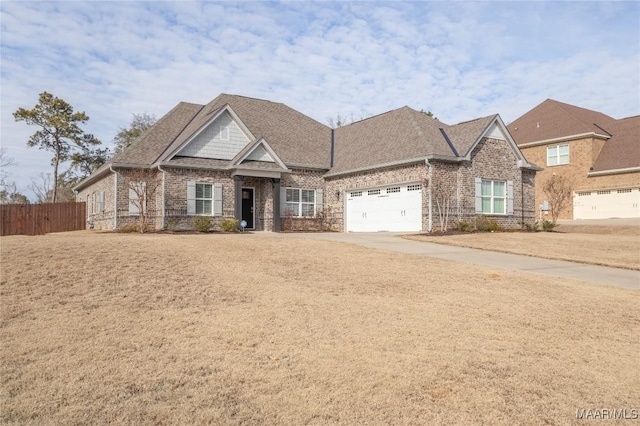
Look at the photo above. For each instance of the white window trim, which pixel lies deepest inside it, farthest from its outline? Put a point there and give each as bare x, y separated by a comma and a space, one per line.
557, 155
216, 198
317, 202
492, 197
134, 209
508, 197
196, 198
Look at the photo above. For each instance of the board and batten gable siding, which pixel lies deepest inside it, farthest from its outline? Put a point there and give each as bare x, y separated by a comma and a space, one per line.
222, 139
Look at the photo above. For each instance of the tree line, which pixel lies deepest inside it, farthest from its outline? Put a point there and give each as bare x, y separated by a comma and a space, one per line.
59, 131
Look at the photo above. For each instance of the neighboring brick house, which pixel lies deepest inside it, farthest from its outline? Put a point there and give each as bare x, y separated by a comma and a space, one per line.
269, 165
599, 154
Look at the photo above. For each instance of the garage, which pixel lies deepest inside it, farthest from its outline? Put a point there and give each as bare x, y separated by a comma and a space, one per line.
393, 209
605, 204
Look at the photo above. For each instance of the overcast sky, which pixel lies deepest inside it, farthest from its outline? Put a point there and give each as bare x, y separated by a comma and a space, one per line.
460, 60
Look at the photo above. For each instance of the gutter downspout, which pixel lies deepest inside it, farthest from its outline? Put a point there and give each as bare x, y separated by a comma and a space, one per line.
162, 210
430, 224
115, 198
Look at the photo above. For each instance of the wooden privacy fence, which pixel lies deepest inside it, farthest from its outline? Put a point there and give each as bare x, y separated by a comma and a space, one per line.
40, 219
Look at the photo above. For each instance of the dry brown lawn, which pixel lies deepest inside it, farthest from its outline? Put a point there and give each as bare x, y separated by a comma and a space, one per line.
245, 329
615, 246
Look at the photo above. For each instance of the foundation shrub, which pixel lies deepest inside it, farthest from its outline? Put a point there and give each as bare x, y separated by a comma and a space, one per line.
128, 229
548, 226
464, 226
486, 224
202, 224
229, 225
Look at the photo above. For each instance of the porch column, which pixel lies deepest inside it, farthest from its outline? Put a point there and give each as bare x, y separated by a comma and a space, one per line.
275, 185
237, 180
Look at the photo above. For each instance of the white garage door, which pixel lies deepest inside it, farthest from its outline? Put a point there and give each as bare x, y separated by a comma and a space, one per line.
393, 209
605, 204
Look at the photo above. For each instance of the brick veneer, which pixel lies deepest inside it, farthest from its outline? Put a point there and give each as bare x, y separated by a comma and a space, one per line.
582, 154
492, 159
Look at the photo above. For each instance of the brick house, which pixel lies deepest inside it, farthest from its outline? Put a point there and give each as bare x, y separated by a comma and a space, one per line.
599, 154
271, 166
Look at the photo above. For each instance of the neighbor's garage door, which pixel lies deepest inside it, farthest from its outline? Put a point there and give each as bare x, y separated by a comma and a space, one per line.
394, 209
605, 204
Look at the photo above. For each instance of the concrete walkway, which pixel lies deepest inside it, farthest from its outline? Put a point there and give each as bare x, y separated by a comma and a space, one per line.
555, 268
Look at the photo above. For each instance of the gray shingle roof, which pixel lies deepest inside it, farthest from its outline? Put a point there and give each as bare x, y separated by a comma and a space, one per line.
402, 134
396, 136
146, 149
622, 150
296, 138
464, 135
552, 119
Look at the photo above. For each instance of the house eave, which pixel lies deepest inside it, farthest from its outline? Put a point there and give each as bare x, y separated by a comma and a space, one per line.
614, 171
191, 166
306, 166
564, 139
262, 173
90, 179
377, 166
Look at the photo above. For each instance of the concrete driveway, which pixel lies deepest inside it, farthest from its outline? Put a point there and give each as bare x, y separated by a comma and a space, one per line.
556, 268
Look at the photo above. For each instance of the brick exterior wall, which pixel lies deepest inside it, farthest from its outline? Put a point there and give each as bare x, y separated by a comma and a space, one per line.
304, 179
335, 204
175, 195
582, 154
492, 159
495, 160
99, 219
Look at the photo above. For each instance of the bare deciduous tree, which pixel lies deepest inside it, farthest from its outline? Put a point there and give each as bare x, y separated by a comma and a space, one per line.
143, 187
41, 186
340, 120
442, 192
558, 188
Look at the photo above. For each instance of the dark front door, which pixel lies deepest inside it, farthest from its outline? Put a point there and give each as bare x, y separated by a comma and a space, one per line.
247, 207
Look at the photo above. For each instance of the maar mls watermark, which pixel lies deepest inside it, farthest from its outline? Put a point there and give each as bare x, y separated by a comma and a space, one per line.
607, 413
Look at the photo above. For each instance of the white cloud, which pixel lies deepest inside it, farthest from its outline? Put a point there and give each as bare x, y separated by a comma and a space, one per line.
460, 60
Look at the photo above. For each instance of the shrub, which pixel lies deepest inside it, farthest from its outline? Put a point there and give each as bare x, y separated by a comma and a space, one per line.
172, 224
485, 224
229, 225
128, 229
548, 226
202, 224
464, 226
531, 227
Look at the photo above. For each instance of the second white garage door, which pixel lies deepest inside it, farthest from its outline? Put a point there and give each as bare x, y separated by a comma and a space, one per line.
605, 204
392, 209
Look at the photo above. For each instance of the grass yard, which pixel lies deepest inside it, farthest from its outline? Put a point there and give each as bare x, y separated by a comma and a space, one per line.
240, 329
616, 246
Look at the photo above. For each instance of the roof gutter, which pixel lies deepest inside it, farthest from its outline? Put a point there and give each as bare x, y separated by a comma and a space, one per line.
397, 164
564, 138
614, 171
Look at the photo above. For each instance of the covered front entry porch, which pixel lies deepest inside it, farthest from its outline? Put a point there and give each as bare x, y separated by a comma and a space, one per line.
257, 200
